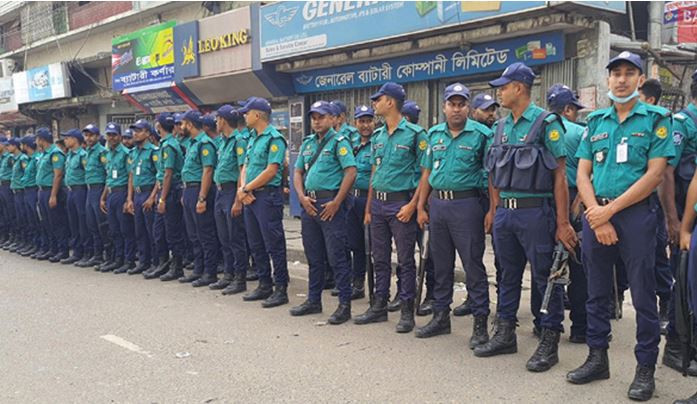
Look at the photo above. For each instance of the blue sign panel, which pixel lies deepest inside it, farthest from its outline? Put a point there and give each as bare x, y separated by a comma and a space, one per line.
492, 56
186, 62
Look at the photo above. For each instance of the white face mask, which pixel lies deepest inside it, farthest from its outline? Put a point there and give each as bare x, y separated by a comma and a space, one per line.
622, 100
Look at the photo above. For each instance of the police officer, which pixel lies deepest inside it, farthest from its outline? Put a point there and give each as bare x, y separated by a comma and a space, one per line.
77, 196
364, 117
44, 244
93, 164
528, 182
260, 192
210, 126
127, 138
563, 101
113, 201
398, 148
625, 149
17, 187
341, 125
229, 220
142, 193
49, 178
30, 196
6, 199
324, 173
199, 200
411, 111
170, 161
453, 170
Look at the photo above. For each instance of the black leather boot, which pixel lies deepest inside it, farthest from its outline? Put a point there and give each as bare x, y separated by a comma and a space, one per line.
341, 315
222, 283
596, 367
395, 304
425, 308
503, 342
691, 400
127, 266
546, 355
357, 293
205, 280
139, 269
480, 334
672, 357
305, 308
238, 285
176, 270
643, 385
116, 264
439, 324
189, 278
262, 292
278, 297
70, 260
406, 319
464, 309
376, 313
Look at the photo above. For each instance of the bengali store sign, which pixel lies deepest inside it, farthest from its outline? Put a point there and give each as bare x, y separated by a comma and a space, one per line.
684, 15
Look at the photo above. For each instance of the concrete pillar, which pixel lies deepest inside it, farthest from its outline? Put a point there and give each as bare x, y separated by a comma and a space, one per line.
593, 49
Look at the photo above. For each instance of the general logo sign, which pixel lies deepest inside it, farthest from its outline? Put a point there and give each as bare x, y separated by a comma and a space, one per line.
488, 57
225, 41
143, 57
186, 60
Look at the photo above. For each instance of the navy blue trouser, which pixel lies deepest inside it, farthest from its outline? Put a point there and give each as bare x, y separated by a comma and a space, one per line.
384, 226
263, 220
174, 229
143, 222
664, 272
325, 241
80, 240
7, 201
121, 227
355, 238
577, 289
201, 230
521, 236
30, 199
636, 230
462, 232
231, 233
20, 214
692, 272
159, 236
95, 218
56, 220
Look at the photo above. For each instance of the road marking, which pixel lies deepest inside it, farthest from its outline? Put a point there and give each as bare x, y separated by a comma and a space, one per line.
125, 344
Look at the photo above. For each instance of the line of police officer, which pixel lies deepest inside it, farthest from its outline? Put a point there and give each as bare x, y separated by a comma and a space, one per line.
208, 190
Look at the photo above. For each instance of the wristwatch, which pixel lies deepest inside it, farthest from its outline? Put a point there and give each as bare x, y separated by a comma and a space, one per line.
201, 199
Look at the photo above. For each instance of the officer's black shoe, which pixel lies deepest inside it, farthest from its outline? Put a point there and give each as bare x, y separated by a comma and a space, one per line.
464, 309
439, 324
335, 292
406, 319
189, 278
672, 357
142, 267
480, 334
377, 312
163, 265
40, 254
341, 315
279, 297
596, 367
125, 268
114, 265
663, 315
94, 261
58, 257
546, 355
395, 304
98, 267
205, 280
262, 292
305, 308
503, 342
691, 400
577, 338
155, 272
28, 252
357, 293
189, 265
238, 285
643, 385
425, 308
222, 283
70, 260
251, 275
81, 262
175, 270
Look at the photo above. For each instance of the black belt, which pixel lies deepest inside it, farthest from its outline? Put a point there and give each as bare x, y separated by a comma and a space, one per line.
392, 196
75, 187
30, 188
111, 190
17, 191
144, 188
264, 189
321, 194
360, 193
227, 186
521, 203
192, 184
94, 186
606, 201
450, 195
3, 183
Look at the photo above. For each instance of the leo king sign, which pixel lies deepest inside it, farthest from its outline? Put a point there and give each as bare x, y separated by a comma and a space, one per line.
224, 41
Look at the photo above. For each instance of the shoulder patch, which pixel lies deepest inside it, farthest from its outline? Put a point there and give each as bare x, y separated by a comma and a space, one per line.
240, 150
55, 158
662, 132
274, 148
205, 151
154, 157
423, 145
554, 135
343, 151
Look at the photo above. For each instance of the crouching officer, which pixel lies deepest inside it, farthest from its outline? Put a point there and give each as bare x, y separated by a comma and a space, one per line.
453, 168
93, 164
528, 191
329, 169
625, 149
77, 194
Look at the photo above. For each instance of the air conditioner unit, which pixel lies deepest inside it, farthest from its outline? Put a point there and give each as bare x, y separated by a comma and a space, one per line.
7, 67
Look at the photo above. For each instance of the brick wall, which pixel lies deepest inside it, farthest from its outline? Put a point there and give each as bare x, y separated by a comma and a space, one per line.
95, 11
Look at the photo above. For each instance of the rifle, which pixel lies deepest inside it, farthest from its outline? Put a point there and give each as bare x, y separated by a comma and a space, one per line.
369, 263
683, 316
422, 265
558, 274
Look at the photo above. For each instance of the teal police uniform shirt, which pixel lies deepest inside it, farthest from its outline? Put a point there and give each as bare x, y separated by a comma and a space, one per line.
364, 165
646, 131
171, 157
117, 166
350, 133
457, 163
327, 172
74, 170
18, 169
231, 156
52, 159
684, 135
572, 138
94, 163
6, 162
396, 157
144, 166
264, 149
515, 133
29, 178
201, 153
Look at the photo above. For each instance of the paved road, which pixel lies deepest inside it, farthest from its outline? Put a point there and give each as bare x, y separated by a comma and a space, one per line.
72, 335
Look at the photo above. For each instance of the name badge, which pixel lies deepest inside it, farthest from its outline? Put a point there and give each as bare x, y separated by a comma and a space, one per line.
114, 174
622, 151
138, 170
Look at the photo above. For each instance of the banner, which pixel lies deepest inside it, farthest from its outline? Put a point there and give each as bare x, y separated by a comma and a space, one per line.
143, 57
186, 51
41, 83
